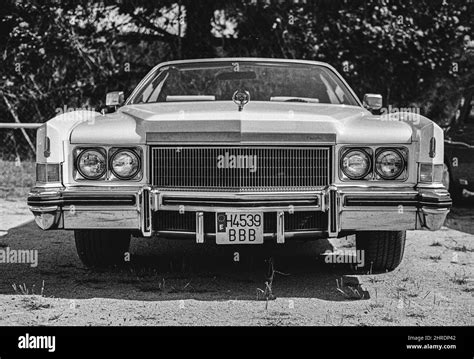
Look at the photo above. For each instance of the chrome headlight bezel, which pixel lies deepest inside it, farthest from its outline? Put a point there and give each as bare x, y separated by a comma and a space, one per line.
108, 152
374, 151
382, 151
136, 174
80, 153
365, 152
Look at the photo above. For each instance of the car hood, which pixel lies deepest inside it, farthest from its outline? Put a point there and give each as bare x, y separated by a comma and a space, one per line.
258, 122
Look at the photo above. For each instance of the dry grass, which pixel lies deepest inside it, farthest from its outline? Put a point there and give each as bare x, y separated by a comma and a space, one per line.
267, 294
460, 278
16, 178
24, 290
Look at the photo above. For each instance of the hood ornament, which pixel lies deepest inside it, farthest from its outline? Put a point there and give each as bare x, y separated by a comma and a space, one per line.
241, 98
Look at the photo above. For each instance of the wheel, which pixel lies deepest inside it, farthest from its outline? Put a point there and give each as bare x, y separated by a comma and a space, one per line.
383, 250
102, 248
454, 190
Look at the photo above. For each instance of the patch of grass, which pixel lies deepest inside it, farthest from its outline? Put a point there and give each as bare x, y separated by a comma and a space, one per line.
462, 248
16, 178
349, 290
436, 257
376, 305
460, 279
22, 289
35, 303
348, 316
388, 318
375, 279
267, 294
418, 315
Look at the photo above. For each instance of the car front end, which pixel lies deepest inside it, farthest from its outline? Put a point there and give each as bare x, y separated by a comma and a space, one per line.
231, 172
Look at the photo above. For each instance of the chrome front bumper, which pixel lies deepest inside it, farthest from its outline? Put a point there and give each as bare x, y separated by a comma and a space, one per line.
348, 209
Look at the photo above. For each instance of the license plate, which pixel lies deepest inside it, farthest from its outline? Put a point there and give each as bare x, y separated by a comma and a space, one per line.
239, 228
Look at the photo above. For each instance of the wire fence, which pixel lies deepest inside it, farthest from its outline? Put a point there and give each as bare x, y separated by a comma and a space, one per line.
17, 158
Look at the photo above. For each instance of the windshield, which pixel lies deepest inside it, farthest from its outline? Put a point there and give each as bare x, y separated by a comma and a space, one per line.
264, 81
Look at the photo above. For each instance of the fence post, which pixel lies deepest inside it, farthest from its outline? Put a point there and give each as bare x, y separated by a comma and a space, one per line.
15, 117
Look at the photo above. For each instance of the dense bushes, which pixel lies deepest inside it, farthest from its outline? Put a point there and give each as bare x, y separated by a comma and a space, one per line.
61, 55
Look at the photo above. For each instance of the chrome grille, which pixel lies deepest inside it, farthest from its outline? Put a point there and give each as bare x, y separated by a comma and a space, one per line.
242, 168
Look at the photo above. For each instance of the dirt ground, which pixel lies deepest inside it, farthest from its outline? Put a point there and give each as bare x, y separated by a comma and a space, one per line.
172, 282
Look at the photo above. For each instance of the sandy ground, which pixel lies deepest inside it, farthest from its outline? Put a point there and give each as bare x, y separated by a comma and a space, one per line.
181, 283
13, 213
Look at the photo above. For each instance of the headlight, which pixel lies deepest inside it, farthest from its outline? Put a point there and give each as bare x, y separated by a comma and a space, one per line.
355, 164
125, 164
389, 164
91, 164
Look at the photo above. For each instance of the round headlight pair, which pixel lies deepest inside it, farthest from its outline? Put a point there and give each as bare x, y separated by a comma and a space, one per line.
92, 164
357, 164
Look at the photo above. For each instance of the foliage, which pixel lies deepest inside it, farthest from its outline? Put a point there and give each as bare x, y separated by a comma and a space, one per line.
62, 55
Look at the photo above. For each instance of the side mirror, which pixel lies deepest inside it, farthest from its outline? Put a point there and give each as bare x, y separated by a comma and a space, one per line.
372, 102
115, 98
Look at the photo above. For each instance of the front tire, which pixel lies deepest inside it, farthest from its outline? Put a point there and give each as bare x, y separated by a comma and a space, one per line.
383, 250
102, 248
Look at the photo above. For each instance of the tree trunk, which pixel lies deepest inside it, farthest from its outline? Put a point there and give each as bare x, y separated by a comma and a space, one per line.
198, 40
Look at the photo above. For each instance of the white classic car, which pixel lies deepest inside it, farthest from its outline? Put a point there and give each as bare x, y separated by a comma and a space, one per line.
240, 151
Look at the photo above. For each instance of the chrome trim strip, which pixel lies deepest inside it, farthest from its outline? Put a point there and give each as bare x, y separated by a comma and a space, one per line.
281, 227
192, 235
210, 208
43, 209
378, 219
73, 207
241, 138
145, 211
334, 202
199, 227
241, 195
101, 219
